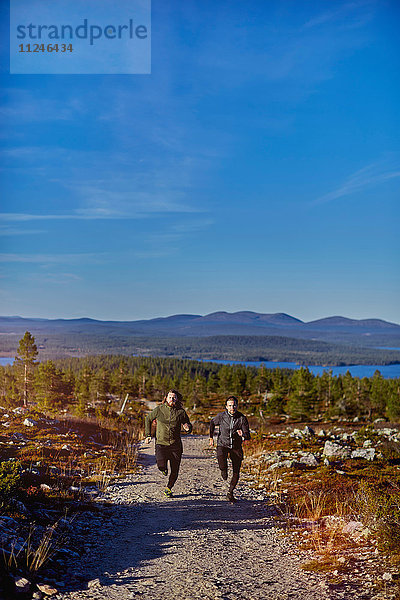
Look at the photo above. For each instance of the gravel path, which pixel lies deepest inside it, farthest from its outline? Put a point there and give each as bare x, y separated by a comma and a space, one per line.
193, 546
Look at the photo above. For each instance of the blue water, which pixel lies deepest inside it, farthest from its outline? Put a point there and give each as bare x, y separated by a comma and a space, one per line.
388, 348
6, 360
387, 371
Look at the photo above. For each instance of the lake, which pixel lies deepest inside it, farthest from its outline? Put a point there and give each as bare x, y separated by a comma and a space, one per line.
6, 360
387, 371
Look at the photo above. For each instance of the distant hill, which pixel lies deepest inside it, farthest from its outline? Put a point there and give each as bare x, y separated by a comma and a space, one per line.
61, 337
217, 323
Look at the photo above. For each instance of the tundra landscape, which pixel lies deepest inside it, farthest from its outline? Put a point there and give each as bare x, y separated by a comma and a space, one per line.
81, 499
199, 303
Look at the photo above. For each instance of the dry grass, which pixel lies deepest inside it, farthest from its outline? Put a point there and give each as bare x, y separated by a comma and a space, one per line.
317, 503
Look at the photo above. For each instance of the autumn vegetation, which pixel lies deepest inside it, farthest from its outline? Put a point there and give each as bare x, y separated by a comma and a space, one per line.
81, 439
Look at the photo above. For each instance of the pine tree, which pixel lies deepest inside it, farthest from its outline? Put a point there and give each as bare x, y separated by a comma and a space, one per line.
52, 390
26, 361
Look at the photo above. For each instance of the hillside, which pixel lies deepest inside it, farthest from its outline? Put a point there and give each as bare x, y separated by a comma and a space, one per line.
243, 335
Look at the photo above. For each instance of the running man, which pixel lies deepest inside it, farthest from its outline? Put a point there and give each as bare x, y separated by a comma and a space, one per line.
170, 417
233, 430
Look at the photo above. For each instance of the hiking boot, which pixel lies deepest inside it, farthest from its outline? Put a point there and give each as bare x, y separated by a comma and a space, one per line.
168, 492
230, 497
224, 475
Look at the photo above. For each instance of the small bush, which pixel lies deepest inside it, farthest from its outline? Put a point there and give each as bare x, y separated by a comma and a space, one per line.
9, 480
380, 509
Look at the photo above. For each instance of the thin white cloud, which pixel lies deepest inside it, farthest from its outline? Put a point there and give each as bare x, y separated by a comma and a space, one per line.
9, 231
354, 13
370, 176
25, 106
56, 278
88, 214
53, 258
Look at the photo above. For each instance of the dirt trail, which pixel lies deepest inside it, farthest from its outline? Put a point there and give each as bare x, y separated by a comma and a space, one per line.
193, 546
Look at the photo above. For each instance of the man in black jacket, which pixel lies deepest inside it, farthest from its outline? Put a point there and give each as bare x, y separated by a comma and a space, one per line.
233, 429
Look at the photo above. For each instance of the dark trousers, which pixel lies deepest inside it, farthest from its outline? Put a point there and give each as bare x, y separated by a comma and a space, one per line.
236, 456
173, 454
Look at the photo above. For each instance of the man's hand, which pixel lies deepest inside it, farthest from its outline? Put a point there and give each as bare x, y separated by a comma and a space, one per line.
148, 439
185, 427
211, 442
240, 432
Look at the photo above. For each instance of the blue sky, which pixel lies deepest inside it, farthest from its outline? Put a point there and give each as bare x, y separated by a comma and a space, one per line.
256, 168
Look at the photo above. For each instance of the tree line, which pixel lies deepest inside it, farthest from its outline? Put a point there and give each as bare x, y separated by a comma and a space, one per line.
82, 382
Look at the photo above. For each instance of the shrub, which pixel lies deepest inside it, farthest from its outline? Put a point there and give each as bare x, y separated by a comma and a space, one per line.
380, 508
9, 479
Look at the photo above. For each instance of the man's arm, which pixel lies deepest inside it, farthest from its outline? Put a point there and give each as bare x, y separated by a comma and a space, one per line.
148, 421
213, 423
187, 426
245, 430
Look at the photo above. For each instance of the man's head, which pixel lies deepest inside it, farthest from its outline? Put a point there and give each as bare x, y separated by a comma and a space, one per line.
173, 398
231, 405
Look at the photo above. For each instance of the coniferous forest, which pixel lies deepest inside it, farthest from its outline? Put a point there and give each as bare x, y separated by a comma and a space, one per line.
83, 383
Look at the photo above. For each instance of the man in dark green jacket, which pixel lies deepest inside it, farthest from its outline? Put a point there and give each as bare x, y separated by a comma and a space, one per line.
170, 417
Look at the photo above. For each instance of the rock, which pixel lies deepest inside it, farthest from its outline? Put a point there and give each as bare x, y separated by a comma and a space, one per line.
331, 449
297, 433
309, 460
283, 464
37, 596
29, 423
353, 526
387, 577
321, 433
367, 444
19, 506
367, 453
47, 589
22, 585
94, 583
45, 487
308, 431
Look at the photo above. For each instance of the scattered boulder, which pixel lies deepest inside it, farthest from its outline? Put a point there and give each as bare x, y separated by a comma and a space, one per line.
331, 449
352, 526
29, 423
367, 453
310, 460
22, 585
308, 431
283, 464
47, 589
